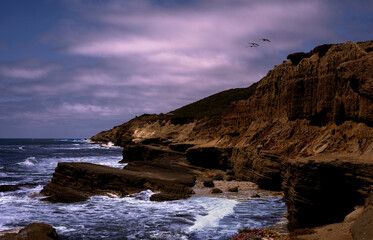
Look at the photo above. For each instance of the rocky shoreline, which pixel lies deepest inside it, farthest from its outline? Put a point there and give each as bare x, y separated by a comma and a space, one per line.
305, 129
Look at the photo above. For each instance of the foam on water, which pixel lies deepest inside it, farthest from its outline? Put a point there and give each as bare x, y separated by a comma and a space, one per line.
30, 161
144, 195
216, 209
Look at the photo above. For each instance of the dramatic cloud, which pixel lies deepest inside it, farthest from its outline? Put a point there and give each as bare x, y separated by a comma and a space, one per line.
111, 60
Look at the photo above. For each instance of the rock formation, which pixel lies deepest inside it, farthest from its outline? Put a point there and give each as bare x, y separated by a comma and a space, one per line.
305, 128
73, 182
33, 231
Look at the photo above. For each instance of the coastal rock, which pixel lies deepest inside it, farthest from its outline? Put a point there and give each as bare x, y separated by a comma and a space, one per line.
73, 182
33, 231
216, 190
263, 168
208, 183
233, 189
209, 157
324, 192
141, 152
181, 147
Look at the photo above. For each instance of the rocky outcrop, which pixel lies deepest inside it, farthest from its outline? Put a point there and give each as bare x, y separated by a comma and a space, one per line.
318, 106
33, 231
322, 192
73, 182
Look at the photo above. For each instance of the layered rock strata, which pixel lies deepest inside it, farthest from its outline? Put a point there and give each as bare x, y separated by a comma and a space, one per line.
330, 189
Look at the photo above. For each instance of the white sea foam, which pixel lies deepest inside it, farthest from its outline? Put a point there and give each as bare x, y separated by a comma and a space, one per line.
216, 209
30, 161
109, 144
62, 229
87, 140
144, 195
21, 147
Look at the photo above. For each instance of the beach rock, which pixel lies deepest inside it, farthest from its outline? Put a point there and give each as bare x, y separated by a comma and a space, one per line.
33, 231
233, 189
72, 182
216, 190
208, 183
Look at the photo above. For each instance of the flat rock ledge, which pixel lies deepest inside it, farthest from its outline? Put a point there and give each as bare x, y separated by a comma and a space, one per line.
33, 231
74, 182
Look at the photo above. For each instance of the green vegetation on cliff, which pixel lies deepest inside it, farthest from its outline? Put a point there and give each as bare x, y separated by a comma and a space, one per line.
215, 104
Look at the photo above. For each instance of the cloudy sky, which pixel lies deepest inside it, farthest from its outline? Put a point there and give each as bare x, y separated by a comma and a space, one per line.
73, 68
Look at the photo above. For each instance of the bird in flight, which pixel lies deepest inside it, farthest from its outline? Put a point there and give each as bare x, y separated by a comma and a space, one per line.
265, 40
253, 45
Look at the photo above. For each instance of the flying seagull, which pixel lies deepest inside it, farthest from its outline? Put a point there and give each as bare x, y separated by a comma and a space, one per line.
253, 44
265, 40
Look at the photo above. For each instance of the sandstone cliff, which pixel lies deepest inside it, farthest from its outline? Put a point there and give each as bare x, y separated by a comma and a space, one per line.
305, 128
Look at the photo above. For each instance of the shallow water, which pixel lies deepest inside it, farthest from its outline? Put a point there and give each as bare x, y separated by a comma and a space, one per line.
33, 162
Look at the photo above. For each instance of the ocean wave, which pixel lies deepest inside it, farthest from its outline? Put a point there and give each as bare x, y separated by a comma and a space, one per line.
30, 161
215, 209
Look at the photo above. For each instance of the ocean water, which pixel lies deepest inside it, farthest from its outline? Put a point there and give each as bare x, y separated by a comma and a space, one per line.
32, 163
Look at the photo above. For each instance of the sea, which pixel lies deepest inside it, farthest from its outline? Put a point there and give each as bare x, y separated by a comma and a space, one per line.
30, 163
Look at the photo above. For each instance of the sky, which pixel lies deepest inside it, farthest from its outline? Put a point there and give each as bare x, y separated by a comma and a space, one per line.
73, 68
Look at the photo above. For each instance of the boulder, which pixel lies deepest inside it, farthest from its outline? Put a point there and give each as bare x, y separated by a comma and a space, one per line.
216, 190
233, 189
33, 231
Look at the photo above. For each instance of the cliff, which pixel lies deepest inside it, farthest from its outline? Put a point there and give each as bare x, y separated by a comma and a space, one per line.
305, 128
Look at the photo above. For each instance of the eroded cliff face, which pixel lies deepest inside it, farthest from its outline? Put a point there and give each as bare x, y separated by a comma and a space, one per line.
317, 108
